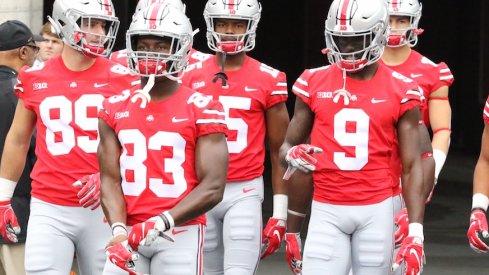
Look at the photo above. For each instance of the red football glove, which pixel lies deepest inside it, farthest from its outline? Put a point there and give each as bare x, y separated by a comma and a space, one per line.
89, 195
300, 157
293, 252
402, 226
273, 234
9, 226
120, 255
145, 233
411, 254
478, 229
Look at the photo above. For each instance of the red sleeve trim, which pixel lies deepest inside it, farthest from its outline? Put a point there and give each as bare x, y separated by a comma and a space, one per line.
441, 129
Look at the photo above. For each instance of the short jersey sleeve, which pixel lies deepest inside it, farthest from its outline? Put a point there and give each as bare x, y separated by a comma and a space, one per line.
210, 117
301, 87
485, 114
21, 88
445, 76
278, 92
411, 99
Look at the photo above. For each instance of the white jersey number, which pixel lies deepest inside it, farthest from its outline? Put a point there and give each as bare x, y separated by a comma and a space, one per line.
236, 124
136, 164
68, 113
357, 139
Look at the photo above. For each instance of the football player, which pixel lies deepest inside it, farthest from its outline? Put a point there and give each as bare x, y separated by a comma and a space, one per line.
434, 81
194, 56
478, 232
359, 109
60, 98
163, 156
253, 95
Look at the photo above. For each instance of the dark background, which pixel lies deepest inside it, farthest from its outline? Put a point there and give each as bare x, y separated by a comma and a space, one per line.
291, 35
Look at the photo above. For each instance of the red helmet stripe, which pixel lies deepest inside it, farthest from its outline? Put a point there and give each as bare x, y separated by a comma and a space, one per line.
231, 6
345, 8
108, 7
156, 9
395, 5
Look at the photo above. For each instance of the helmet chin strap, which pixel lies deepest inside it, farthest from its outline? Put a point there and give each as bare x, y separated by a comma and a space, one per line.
143, 94
221, 75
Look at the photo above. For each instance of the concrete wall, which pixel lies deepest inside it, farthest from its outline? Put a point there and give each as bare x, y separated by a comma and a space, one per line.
28, 11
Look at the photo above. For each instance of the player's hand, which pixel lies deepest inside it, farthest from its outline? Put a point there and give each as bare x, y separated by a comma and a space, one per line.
401, 223
300, 157
9, 226
145, 233
273, 235
410, 254
293, 252
89, 195
120, 254
478, 229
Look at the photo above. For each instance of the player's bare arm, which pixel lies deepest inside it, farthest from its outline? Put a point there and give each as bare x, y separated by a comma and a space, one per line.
477, 233
109, 150
299, 129
440, 115
413, 189
211, 163
427, 162
481, 172
440, 118
17, 143
277, 120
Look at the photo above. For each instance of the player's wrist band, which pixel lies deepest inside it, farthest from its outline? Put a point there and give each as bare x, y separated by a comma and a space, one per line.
118, 228
280, 202
167, 220
416, 230
439, 156
480, 201
7, 188
298, 214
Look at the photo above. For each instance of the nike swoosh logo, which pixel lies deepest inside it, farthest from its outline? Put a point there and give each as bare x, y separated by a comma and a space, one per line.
176, 120
175, 232
245, 190
100, 85
375, 101
413, 252
276, 233
250, 89
415, 75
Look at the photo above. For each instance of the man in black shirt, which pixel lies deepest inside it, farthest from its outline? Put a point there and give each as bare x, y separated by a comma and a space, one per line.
17, 49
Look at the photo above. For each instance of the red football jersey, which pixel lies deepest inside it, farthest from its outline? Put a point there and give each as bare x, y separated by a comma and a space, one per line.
158, 143
429, 76
356, 129
195, 56
486, 112
66, 104
250, 91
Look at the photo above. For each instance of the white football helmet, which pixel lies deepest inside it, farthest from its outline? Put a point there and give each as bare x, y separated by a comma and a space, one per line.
143, 4
249, 10
361, 19
70, 15
165, 22
411, 9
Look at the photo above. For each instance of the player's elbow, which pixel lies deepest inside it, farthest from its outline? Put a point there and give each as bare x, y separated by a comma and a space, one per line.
215, 193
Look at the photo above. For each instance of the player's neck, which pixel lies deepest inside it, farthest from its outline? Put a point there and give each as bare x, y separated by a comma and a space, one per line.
233, 62
76, 60
163, 88
396, 56
366, 73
